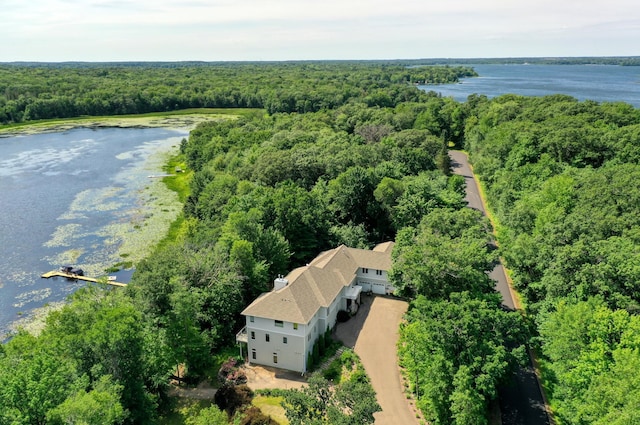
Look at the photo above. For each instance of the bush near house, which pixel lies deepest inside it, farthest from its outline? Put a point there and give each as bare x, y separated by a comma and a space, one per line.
232, 397
254, 416
343, 316
230, 373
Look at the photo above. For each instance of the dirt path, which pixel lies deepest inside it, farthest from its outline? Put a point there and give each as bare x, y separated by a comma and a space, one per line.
373, 333
521, 402
263, 377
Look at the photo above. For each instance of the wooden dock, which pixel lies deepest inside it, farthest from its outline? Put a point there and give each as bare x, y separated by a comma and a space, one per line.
58, 273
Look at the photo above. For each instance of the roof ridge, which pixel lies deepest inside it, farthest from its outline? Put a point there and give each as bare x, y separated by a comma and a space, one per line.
316, 284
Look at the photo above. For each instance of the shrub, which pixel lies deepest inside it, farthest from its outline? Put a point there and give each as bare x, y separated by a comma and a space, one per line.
348, 358
230, 373
359, 376
343, 316
334, 371
231, 397
316, 353
310, 363
254, 416
321, 345
327, 337
272, 392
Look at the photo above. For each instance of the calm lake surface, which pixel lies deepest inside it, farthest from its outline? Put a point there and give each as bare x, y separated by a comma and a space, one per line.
82, 197
602, 83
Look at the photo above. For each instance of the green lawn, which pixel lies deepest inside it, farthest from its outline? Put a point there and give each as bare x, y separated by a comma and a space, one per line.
271, 406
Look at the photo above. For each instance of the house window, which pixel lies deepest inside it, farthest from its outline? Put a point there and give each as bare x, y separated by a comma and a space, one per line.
275, 357
379, 272
295, 326
253, 353
251, 319
266, 337
253, 335
279, 323
365, 270
284, 339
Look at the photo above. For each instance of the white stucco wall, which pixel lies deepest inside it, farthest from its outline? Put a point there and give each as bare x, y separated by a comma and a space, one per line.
293, 354
290, 355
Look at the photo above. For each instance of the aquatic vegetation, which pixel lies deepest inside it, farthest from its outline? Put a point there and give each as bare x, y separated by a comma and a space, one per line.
63, 234
139, 212
101, 227
33, 321
31, 296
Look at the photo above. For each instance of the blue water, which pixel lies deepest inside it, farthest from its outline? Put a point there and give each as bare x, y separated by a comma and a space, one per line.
70, 197
602, 83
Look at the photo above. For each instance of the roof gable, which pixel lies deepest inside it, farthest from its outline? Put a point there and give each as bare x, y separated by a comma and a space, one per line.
318, 283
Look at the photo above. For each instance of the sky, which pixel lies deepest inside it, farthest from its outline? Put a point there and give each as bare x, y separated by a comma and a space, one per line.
231, 30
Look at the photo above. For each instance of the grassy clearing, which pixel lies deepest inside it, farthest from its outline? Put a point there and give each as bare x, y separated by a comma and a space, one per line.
178, 183
271, 406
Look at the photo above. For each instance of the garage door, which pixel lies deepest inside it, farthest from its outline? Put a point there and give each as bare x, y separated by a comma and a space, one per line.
379, 288
366, 286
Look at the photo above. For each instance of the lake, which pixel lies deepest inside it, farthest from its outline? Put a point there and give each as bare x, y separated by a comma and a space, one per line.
602, 83
82, 197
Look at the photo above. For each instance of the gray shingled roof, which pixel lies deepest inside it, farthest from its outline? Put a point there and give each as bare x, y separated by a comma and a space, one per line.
318, 284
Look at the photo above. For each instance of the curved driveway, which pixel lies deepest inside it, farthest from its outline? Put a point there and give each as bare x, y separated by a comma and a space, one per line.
373, 334
521, 402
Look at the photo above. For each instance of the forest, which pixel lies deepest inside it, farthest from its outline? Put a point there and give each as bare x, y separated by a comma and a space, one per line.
43, 91
561, 178
366, 163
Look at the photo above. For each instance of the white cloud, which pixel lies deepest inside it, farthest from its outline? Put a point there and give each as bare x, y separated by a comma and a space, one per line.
51, 30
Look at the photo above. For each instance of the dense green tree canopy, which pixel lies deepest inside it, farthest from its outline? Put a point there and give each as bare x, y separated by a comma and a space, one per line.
457, 351
448, 252
41, 91
561, 176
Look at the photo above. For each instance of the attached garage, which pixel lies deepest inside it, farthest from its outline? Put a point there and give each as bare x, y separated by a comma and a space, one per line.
379, 288
366, 286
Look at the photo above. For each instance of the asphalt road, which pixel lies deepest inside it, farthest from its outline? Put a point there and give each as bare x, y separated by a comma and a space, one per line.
521, 402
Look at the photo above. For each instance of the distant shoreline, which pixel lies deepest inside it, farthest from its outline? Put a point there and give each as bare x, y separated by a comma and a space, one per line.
546, 60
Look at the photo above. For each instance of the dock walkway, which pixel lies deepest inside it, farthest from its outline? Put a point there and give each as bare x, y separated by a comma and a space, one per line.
58, 273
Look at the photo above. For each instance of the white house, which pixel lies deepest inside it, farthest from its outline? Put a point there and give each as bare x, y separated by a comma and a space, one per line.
282, 325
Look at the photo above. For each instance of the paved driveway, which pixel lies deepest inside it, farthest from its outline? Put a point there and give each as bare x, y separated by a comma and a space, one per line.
373, 334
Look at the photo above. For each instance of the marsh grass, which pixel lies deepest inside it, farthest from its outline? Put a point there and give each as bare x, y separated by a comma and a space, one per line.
182, 118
